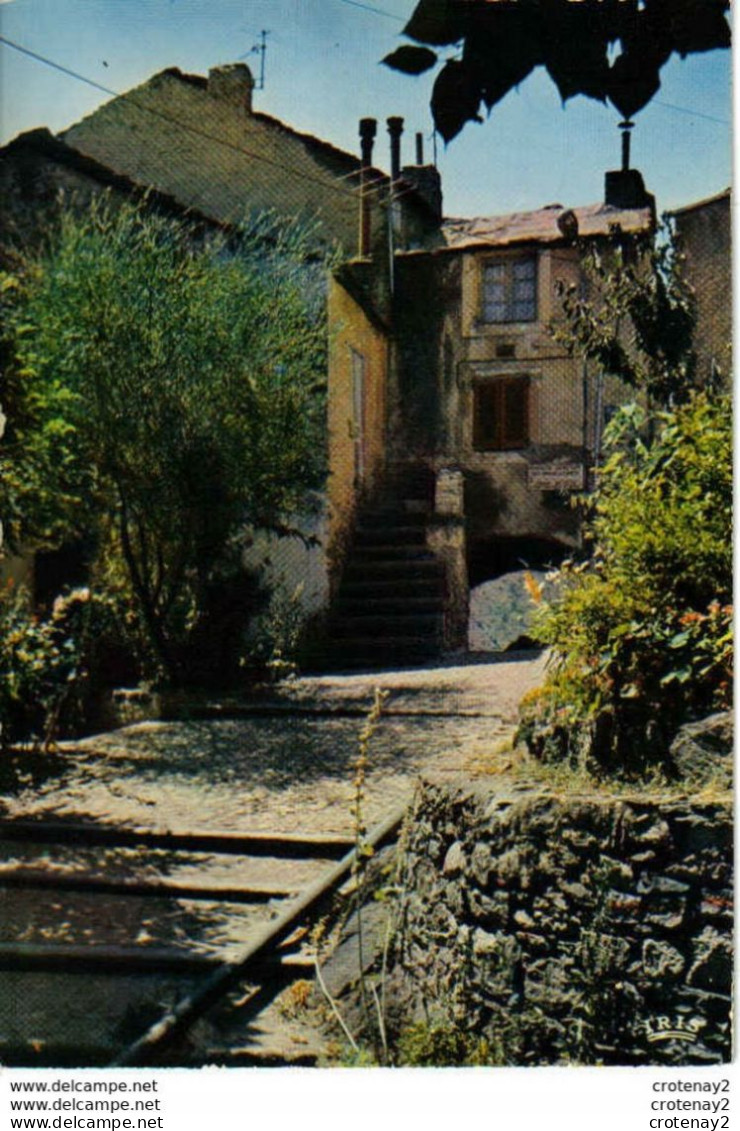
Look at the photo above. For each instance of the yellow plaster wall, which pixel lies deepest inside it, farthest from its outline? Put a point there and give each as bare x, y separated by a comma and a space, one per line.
351, 329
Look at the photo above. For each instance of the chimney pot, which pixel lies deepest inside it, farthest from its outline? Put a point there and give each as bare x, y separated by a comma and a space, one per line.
395, 129
368, 130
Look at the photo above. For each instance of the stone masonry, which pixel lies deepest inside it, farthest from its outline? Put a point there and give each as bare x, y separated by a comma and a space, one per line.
591, 929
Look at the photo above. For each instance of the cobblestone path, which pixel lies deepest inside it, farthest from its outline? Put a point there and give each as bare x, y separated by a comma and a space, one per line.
286, 764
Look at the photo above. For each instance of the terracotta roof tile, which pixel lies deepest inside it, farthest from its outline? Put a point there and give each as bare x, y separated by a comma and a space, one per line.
541, 226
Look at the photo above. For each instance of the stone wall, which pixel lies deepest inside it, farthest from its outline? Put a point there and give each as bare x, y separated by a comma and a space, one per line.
705, 240
589, 929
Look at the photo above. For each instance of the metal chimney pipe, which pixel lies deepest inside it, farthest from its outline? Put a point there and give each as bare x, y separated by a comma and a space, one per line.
395, 129
368, 129
626, 128
420, 149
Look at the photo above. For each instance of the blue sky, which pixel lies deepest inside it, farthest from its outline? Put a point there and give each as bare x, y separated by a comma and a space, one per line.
323, 74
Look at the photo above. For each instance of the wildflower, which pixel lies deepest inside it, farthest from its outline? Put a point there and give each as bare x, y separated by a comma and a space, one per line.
533, 587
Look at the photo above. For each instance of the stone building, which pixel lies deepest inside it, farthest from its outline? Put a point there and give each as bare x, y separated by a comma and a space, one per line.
40, 172
195, 147
458, 428
450, 401
199, 144
704, 234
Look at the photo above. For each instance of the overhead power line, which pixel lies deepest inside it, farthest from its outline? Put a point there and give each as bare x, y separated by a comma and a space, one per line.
374, 10
337, 186
693, 113
57, 66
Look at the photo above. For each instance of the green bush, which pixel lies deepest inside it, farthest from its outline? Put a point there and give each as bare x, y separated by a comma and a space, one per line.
424, 1045
641, 632
46, 669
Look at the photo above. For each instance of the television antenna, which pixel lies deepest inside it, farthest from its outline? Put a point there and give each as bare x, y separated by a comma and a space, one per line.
259, 48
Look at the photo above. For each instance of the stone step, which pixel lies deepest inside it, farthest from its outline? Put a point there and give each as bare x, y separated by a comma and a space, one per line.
389, 609
408, 483
374, 606
407, 514
389, 533
392, 626
367, 571
388, 649
387, 586
389, 551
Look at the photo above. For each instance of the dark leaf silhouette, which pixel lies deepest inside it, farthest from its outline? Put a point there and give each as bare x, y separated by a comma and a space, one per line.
699, 25
501, 53
579, 68
438, 22
504, 40
576, 42
455, 100
411, 60
633, 80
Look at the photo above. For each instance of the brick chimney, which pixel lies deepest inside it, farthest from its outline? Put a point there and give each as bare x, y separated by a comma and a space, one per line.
232, 83
427, 183
625, 188
425, 180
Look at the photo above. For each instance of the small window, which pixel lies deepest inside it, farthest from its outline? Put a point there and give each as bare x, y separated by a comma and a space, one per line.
501, 414
509, 291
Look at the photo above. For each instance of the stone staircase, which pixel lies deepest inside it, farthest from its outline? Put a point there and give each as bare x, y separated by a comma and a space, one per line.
389, 608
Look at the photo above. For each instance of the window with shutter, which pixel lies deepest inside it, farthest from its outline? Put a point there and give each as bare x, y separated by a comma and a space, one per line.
501, 414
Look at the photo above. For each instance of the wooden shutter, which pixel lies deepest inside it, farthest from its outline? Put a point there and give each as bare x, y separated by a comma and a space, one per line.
501, 414
515, 413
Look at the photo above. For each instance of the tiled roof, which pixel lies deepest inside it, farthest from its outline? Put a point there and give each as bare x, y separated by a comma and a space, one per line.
542, 225
348, 161
198, 142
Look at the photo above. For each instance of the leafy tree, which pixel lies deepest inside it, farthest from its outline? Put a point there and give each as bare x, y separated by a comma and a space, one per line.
500, 42
641, 631
635, 317
165, 389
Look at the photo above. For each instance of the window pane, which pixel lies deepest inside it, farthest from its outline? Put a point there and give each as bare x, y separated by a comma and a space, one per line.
523, 311
509, 290
524, 289
524, 268
495, 312
494, 292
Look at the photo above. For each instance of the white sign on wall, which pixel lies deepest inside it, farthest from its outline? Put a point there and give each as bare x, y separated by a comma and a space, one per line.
555, 477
